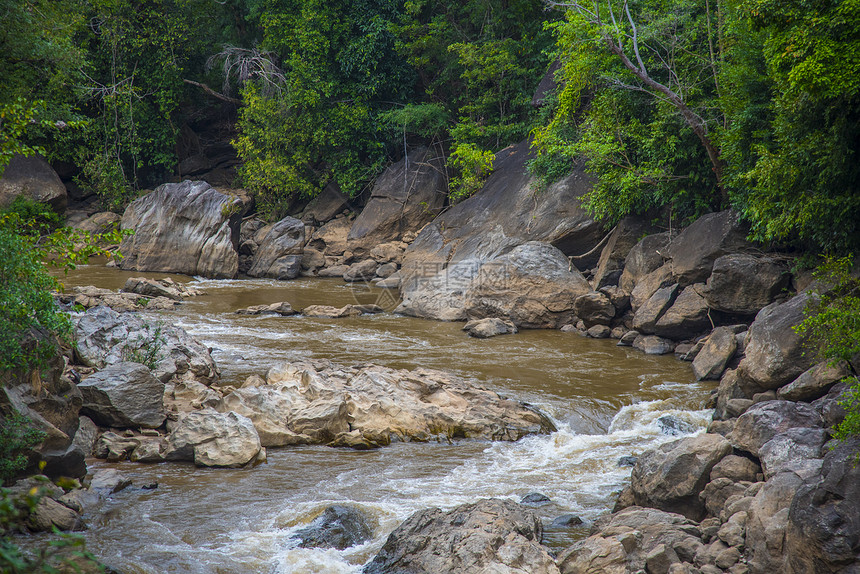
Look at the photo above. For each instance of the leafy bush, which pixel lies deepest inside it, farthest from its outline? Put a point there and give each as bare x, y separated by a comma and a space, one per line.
17, 436
146, 349
473, 165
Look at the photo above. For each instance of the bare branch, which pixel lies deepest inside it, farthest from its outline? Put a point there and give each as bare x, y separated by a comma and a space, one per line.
212, 92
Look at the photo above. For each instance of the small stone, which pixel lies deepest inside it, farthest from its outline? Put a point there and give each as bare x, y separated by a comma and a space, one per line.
599, 332
535, 499
566, 521
627, 461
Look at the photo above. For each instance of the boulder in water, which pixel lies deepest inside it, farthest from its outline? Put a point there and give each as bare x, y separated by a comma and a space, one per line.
339, 526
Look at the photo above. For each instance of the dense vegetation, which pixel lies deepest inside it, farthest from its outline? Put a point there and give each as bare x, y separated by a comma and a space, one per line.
678, 107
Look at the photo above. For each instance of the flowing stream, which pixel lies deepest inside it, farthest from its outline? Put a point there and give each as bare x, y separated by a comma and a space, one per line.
605, 401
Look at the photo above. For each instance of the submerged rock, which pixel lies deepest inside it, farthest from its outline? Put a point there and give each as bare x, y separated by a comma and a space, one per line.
486, 328
339, 526
491, 535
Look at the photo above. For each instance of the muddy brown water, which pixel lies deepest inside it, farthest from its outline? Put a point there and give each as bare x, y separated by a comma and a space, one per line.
605, 401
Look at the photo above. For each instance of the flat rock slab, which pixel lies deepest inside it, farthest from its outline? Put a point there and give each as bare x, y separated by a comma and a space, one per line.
329, 312
283, 309
368, 406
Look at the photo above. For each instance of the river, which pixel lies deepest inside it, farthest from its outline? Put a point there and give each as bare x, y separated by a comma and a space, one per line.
605, 401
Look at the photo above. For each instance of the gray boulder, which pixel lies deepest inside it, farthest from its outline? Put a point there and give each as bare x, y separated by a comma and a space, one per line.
653, 345
361, 271
687, 317
783, 452
815, 382
279, 255
711, 360
338, 526
282, 309
486, 328
330, 239
406, 196
744, 284
124, 395
594, 308
763, 421
671, 477
187, 227
533, 286
211, 438
33, 178
322, 208
101, 222
491, 535
623, 238
650, 284
643, 258
693, 252
329, 312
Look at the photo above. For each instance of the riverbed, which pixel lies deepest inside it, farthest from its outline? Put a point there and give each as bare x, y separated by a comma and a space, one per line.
605, 400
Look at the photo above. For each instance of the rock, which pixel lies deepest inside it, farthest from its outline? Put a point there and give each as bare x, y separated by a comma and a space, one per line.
717, 492
282, 309
535, 499
733, 385
648, 285
671, 477
338, 526
647, 315
492, 535
592, 555
211, 438
450, 252
386, 270
566, 521
49, 514
158, 288
391, 252
735, 468
824, 517
619, 299
405, 197
333, 271
815, 382
279, 255
123, 395
186, 227
34, 178
89, 297
109, 480
330, 239
594, 308
599, 332
533, 286
763, 421
361, 271
774, 353
322, 208
711, 360
653, 345
391, 282
624, 236
85, 438
744, 284
114, 447
782, 452
830, 406
486, 328
687, 317
642, 259
693, 252
628, 338
328, 312
312, 260
303, 405
673, 426
104, 337
767, 521
98, 223
627, 461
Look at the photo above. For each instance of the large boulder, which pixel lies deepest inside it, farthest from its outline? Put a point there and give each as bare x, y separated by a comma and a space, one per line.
330, 202
338, 526
623, 238
687, 317
211, 438
486, 328
330, 239
642, 259
534, 286
763, 421
823, 531
406, 196
744, 284
711, 360
123, 395
785, 450
774, 353
187, 227
693, 252
594, 308
671, 476
279, 255
33, 178
449, 252
646, 316
304, 403
104, 337
815, 382
491, 535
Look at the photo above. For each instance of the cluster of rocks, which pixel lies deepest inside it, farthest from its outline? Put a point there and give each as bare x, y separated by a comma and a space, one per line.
137, 294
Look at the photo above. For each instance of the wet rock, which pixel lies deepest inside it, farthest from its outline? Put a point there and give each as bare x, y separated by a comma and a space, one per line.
404, 198
386, 270
123, 395
594, 308
211, 438
88, 297
33, 178
339, 526
279, 255
488, 536
282, 309
744, 284
104, 337
763, 421
186, 227
628, 338
672, 476
328, 312
673, 426
361, 271
715, 354
783, 451
450, 251
774, 353
49, 514
486, 328
534, 286
628, 461
694, 251
159, 288
109, 480
390, 282
653, 345
599, 332
333, 271
687, 317
303, 405
535, 499
815, 382
566, 521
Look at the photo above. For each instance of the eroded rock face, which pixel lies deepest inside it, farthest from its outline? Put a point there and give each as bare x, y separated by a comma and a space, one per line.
34, 178
450, 252
671, 477
407, 195
492, 535
279, 255
187, 227
371, 406
211, 438
104, 337
123, 395
693, 252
